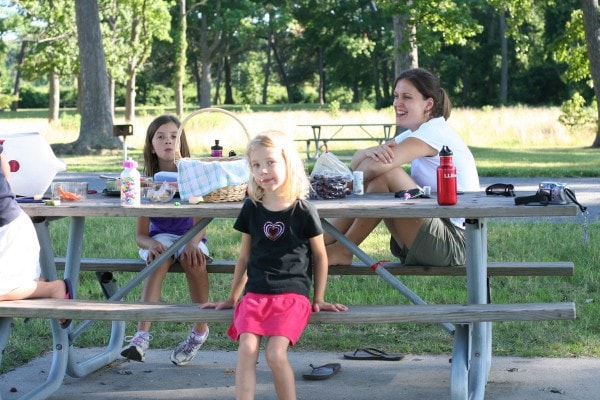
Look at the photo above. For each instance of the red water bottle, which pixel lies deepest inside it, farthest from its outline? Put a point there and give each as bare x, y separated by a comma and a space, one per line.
446, 179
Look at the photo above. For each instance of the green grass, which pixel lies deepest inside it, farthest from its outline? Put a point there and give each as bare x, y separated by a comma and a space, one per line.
565, 162
520, 241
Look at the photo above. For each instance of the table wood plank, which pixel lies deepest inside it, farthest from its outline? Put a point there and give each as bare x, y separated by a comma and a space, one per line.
164, 312
473, 205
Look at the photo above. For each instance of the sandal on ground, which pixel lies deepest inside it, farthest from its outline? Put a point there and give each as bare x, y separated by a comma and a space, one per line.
370, 353
68, 295
323, 372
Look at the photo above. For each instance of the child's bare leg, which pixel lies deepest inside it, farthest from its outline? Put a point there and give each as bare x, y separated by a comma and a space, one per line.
283, 374
198, 285
152, 288
245, 375
38, 289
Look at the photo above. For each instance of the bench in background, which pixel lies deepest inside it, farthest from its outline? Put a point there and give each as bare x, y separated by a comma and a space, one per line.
324, 143
388, 133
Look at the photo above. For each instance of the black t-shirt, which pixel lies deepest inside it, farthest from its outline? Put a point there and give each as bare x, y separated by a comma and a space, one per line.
280, 259
9, 208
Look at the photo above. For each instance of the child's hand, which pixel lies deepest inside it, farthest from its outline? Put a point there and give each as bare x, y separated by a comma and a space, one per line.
155, 250
192, 256
219, 305
323, 306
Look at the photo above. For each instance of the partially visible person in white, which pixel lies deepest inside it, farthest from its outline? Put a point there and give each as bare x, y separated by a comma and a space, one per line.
422, 107
20, 251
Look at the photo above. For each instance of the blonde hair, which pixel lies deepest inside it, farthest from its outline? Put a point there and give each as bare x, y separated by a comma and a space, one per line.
296, 185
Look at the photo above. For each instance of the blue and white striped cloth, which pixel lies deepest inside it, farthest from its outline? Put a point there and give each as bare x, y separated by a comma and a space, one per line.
198, 178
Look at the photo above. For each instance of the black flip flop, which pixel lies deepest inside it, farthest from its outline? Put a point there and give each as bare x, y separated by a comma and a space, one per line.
69, 295
323, 372
370, 353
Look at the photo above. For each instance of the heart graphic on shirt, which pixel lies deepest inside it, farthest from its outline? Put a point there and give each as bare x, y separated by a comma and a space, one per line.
273, 230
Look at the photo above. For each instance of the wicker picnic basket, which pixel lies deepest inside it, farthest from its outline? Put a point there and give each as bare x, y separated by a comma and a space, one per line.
228, 193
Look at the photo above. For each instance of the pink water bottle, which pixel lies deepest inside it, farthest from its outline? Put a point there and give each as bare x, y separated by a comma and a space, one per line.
446, 179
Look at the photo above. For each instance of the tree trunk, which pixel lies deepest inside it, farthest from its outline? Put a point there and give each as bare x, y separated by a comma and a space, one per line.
218, 85
111, 96
321, 76
54, 97
228, 84
206, 84
504, 60
95, 131
267, 72
130, 98
378, 96
592, 38
282, 73
355, 92
131, 73
405, 49
17, 88
180, 54
206, 63
196, 73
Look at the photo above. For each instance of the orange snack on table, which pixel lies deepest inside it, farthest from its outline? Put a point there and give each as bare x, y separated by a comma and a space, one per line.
64, 195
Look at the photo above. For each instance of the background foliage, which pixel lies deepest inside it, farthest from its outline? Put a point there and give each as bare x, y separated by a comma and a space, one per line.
281, 51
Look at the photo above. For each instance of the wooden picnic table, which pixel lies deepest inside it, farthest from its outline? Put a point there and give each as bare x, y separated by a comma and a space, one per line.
471, 356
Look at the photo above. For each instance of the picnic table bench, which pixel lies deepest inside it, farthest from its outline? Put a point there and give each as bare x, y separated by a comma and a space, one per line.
318, 140
470, 324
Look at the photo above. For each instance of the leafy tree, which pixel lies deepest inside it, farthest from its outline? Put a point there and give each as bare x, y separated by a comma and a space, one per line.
579, 50
48, 46
180, 57
211, 25
431, 27
591, 23
128, 30
95, 131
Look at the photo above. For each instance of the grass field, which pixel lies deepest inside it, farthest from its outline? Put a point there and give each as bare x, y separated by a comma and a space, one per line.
506, 142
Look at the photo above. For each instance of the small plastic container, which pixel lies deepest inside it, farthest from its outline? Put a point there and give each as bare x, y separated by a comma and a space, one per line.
158, 192
69, 191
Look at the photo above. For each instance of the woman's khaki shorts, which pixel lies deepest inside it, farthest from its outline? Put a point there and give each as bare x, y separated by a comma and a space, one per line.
439, 243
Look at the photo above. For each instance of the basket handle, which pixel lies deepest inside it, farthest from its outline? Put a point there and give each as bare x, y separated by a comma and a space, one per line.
200, 111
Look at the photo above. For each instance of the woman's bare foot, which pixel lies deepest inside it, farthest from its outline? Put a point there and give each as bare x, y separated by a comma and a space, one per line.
337, 254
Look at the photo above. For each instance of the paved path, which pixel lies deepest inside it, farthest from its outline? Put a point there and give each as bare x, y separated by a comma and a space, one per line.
211, 376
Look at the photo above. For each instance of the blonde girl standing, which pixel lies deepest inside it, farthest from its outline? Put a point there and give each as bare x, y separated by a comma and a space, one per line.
282, 251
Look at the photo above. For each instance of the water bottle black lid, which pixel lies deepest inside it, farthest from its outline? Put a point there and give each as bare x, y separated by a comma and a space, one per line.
216, 142
445, 152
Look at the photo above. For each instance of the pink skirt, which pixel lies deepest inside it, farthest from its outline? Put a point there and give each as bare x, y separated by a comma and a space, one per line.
284, 314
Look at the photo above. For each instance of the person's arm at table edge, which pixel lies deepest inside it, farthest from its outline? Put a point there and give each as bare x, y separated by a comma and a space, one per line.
320, 273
